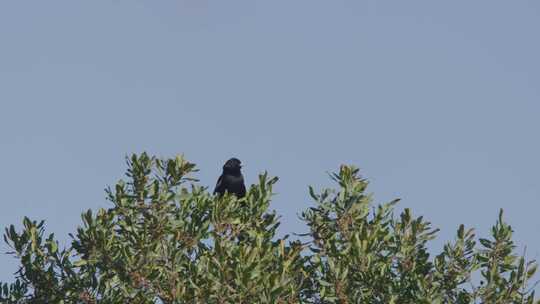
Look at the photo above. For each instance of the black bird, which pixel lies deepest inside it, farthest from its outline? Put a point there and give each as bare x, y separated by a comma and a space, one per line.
231, 180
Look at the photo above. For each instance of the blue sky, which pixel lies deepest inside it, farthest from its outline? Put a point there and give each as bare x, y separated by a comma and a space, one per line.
437, 102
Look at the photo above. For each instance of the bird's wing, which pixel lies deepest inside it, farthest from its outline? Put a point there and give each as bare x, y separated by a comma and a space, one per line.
219, 185
242, 189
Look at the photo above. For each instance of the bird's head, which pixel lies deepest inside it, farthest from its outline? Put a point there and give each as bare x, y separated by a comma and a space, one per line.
233, 165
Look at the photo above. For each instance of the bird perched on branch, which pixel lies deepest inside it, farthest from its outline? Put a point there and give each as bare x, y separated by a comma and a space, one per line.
231, 180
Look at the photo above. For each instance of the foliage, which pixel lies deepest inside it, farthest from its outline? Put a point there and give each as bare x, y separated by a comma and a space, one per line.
167, 240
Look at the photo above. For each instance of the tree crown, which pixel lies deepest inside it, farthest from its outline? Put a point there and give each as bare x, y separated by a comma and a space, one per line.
167, 240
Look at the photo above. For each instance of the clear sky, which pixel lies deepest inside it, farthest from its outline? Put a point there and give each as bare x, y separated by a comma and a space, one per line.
437, 101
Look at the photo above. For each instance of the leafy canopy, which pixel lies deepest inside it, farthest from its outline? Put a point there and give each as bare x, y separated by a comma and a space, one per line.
167, 240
